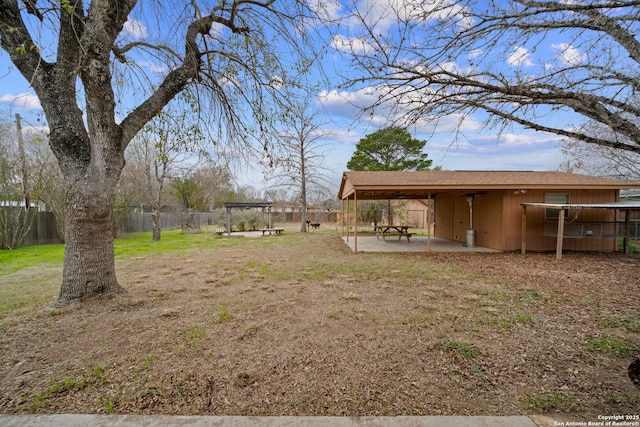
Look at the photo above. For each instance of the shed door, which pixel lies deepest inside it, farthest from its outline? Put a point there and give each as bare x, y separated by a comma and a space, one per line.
460, 219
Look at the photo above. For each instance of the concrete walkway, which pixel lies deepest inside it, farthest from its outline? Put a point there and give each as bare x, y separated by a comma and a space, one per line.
417, 244
86, 420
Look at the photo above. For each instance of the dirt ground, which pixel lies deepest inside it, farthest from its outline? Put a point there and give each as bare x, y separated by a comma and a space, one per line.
299, 325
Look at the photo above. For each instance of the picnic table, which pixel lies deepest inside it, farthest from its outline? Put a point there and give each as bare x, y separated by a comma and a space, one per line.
392, 230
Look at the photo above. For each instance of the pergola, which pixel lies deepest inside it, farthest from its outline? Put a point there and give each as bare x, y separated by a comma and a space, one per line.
247, 205
595, 229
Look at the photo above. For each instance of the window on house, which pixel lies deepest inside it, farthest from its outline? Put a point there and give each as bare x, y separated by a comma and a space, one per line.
556, 199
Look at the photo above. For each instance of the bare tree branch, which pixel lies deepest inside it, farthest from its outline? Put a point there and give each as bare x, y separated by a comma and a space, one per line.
479, 57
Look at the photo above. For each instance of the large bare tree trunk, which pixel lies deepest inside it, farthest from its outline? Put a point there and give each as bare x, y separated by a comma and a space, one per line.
89, 267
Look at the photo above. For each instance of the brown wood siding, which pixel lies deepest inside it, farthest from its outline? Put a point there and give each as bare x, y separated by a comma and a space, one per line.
538, 242
497, 219
443, 214
488, 220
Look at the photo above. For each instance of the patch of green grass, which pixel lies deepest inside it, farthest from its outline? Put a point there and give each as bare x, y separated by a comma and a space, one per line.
523, 318
335, 314
614, 398
501, 323
224, 316
630, 322
146, 361
534, 297
194, 334
417, 319
99, 373
27, 256
466, 350
66, 384
28, 291
25, 292
79, 381
551, 401
633, 248
109, 404
141, 244
611, 346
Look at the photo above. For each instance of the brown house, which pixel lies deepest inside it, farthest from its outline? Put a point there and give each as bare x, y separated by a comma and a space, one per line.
486, 208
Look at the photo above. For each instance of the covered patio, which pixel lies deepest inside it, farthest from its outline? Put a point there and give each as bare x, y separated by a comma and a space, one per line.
475, 210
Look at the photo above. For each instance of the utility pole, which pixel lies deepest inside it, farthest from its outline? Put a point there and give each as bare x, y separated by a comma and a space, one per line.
23, 163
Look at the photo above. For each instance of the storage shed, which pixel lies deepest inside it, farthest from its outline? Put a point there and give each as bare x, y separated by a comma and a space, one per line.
485, 207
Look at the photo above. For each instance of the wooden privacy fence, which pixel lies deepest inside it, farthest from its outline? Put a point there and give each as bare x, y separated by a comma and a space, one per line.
43, 230
139, 222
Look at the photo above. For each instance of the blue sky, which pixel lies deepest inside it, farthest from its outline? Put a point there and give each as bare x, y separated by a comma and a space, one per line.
477, 149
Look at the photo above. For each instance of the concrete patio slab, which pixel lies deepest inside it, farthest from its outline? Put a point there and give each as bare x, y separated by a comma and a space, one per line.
417, 244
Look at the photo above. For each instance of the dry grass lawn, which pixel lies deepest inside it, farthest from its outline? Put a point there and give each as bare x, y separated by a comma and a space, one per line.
299, 325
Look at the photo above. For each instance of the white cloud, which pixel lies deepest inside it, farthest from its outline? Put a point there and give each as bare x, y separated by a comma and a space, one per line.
380, 15
157, 69
134, 29
475, 53
328, 10
520, 57
347, 104
277, 82
358, 46
513, 151
217, 29
24, 101
569, 54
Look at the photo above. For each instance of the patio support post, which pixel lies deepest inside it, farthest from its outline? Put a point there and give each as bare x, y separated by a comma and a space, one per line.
228, 221
343, 219
627, 230
347, 219
355, 221
523, 245
560, 233
429, 222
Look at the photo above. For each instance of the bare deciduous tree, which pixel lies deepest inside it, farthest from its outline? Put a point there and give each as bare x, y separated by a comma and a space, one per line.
169, 142
598, 160
48, 181
62, 46
16, 215
546, 65
297, 163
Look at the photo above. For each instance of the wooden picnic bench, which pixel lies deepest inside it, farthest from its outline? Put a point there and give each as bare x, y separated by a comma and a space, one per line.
392, 230
400, 236
276, 230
